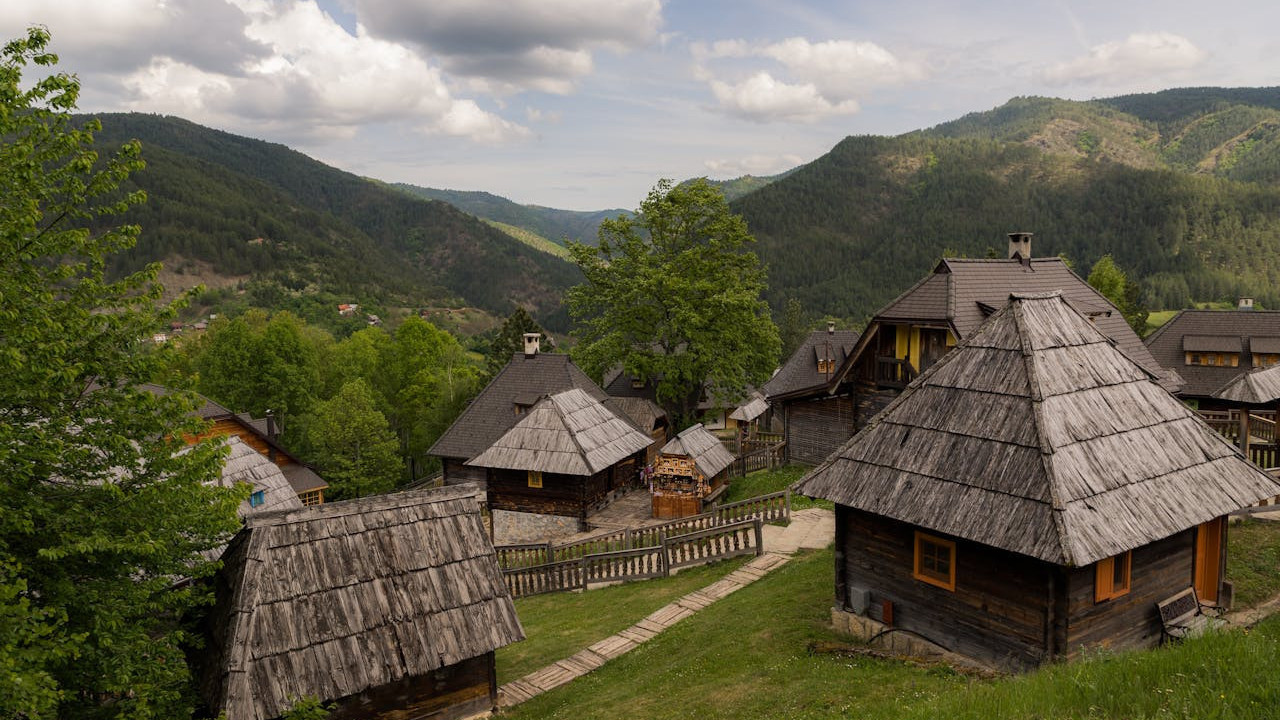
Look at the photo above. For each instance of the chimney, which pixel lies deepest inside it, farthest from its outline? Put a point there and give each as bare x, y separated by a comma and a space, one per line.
831, 327
531, 343
271, 425
1244, 303
1020, 246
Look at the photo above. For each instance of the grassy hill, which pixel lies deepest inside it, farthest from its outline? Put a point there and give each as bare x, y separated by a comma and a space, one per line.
549, 223
297, 229
1182, 201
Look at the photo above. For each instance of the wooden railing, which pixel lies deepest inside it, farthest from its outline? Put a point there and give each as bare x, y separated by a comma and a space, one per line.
672, 553
763, 459
775, 507
894, 372
1263, 450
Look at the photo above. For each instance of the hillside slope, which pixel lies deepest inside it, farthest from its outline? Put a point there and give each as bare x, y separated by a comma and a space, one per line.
849, 231
297, 226
550, 223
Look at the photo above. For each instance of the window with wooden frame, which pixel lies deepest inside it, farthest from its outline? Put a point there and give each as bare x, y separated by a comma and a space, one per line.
535, 478
935, 561
1112, 577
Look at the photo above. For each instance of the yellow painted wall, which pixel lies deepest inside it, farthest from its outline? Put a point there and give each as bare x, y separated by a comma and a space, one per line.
908, 345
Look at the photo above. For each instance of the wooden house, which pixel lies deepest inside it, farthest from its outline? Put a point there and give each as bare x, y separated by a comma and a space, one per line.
691, 472
262, 435
1211, 348
271, 490
529, 376
563, 457
390, 607
814, 421
1033, 494
646, 415
919, 327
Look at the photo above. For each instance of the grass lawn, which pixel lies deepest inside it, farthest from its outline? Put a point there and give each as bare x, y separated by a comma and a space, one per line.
763, 482
746, 657
558, 625
1253, 561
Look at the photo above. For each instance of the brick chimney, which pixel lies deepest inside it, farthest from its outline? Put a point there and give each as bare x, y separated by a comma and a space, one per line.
531, 344
1020, 246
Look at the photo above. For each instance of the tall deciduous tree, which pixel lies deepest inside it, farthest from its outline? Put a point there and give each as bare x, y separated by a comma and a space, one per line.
1124, 292
101, 508
355, 447
673, 294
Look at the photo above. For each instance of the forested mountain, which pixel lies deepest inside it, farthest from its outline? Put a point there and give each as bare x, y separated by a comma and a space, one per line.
550, 223
743, 184
296, 228
1180, 187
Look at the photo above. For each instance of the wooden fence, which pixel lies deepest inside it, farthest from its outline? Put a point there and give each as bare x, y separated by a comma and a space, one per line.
1263, 450
775, 507
694, 548
765, 458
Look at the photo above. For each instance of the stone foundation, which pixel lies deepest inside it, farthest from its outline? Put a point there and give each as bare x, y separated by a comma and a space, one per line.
514, 528
893, 640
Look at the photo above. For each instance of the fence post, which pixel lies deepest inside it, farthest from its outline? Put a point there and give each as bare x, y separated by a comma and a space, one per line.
759, 537
788, 506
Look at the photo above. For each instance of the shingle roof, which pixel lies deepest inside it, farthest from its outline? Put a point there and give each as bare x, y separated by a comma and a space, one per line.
1037, 436
1212, 343
331, 600
492, 412
962, 292
697, 443
800, 372
1253, 329
246, 465
1257, 387
570, 433
643, 413
754, 407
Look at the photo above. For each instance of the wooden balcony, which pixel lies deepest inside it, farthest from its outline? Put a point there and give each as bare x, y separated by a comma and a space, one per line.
892, 372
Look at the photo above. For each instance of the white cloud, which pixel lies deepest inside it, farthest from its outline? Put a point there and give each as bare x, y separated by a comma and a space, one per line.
1139, 56
752, 165
821, 78
511, 45
268, 68
761, 98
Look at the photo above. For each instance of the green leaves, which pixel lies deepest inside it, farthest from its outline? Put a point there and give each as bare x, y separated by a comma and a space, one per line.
673, 294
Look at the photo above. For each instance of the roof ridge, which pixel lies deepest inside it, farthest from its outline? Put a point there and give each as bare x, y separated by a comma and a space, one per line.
1036, 398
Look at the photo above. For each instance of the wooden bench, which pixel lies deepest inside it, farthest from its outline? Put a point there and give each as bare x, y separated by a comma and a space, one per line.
1184, 617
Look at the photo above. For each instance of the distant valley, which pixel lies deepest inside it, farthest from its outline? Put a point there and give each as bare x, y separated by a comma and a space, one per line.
1182, 187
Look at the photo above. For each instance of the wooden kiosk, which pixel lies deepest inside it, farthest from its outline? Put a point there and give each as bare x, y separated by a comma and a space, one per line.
690, 473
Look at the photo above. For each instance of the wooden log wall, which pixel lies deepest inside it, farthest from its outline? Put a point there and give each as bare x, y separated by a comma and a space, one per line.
1157, 572
456, 691
456, 473
569, 495
999, 612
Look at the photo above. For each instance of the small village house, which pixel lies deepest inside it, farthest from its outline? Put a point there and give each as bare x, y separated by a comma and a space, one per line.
920, 326
1211, 348
1030, 496
389, 607
814, 421
561, 460
691, 473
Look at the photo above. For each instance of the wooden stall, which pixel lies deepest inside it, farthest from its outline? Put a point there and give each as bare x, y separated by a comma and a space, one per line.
690, 473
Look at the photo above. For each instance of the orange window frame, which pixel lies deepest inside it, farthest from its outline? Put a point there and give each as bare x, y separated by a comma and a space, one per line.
1112, 577
929, 550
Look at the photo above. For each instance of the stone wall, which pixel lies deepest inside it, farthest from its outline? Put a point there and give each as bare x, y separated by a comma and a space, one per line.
513, 528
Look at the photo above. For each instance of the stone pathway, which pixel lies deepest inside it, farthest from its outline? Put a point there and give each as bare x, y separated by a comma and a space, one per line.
811, 528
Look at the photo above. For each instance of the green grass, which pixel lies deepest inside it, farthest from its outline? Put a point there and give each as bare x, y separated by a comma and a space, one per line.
532, 239
746, 657
764, 482
1253, 561
558, 625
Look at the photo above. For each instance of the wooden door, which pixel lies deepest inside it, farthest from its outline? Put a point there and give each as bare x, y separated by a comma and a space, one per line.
1208, 572
933, 345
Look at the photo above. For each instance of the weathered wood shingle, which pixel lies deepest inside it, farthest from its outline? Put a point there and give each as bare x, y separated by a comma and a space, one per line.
569, 433
698, 444
1037, 436
332, 600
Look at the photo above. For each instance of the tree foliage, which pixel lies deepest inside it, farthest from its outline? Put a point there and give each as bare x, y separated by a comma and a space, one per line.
1107, 278
510, 340
101, 507
355, 448
673, 294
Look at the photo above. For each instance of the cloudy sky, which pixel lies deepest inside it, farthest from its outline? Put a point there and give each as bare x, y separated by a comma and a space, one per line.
584, 104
